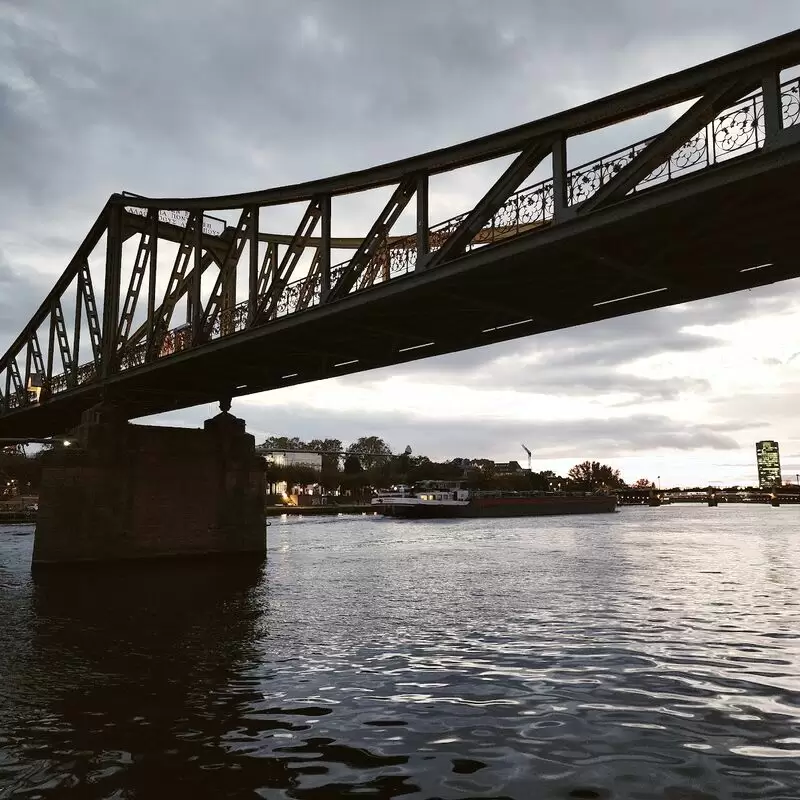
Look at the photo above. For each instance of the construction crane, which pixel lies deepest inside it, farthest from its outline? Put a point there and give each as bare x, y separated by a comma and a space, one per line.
529, 456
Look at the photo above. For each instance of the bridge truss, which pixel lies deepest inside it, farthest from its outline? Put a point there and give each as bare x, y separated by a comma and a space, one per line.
156, 280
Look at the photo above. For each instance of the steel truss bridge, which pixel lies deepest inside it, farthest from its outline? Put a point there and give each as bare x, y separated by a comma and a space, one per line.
169, 303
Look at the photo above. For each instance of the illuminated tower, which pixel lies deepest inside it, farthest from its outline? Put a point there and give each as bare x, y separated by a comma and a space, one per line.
769, 464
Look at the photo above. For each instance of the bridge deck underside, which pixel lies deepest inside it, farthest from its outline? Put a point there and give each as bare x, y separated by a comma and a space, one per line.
693, 238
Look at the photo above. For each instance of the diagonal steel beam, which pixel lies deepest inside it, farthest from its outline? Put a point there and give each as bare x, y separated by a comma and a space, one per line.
269, 266
312, 280
61, 337
373, 240
225, 285
177, 280
268, 303
17, 380
89, 243
715, 99
519, 169
143, 330
92, 319
144, 258
35, 358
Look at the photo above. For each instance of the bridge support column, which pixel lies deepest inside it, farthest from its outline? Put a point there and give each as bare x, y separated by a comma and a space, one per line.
124, 491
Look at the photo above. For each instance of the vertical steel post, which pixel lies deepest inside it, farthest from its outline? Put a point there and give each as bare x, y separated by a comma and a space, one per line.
76, 338
112, 290
194, 309
560, 184
325, 249
47, 378
27, 376
252, 294
423, 225
773, 109
151, 287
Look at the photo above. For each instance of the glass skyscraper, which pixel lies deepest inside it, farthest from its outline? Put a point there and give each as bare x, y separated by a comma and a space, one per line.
769, 464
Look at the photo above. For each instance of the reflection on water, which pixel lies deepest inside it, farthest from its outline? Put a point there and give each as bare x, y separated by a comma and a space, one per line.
653, 653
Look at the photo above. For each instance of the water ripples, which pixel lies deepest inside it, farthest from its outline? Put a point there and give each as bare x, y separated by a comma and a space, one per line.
650, 654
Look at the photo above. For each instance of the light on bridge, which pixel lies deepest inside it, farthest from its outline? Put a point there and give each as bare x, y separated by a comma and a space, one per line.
415, 347
750, 269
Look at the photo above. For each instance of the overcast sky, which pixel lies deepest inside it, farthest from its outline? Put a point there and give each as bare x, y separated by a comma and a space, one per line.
198, 97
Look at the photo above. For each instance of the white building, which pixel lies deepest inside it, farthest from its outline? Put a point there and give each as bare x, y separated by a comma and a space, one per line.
285, 458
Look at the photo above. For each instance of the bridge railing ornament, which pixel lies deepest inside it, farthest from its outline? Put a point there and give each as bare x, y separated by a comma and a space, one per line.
206, 242
790, 102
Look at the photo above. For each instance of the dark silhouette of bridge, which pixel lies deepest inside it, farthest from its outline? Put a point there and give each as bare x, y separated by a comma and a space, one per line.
169, 303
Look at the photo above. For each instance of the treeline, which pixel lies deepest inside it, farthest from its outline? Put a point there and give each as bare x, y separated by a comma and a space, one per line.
369, 462
365, 463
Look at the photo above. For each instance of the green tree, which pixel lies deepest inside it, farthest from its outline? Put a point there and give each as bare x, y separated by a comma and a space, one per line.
644, 483
371, 450
330, 449
590, 475
352, 465
283, 443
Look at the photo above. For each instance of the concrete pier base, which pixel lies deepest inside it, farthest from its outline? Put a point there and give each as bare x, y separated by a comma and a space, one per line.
123, 491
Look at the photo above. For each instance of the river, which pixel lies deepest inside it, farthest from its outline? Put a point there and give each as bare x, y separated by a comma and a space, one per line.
652, 653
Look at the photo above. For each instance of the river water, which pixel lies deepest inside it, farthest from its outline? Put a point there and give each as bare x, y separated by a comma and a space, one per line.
653, 653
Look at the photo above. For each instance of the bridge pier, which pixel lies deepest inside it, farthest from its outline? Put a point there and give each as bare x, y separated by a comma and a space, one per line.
123, 491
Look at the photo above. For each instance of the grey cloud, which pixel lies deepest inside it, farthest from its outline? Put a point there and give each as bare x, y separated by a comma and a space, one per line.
17, 294
439, 438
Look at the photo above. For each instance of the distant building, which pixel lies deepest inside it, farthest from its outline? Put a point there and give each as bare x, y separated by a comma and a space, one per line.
769, 464
283, 458
293, 494
508, 467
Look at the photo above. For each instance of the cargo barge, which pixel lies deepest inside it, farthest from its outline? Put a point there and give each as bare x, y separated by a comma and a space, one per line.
450, 503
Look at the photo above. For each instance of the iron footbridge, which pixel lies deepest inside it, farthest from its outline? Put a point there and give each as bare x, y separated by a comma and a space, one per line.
172, 302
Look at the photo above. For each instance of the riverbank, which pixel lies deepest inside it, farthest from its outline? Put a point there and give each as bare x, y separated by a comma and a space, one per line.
16, 517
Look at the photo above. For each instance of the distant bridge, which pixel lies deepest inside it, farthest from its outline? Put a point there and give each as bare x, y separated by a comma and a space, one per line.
642, 497
170, 303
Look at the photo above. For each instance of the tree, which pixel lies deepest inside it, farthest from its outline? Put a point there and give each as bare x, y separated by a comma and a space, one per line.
352, 465
283, 443
330, 449
371, 450
644, 483
589, 475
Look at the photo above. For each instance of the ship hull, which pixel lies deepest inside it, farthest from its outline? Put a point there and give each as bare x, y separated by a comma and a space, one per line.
504, 507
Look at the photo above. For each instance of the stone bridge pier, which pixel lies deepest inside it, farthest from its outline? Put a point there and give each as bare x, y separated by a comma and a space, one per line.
125, 491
